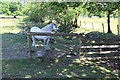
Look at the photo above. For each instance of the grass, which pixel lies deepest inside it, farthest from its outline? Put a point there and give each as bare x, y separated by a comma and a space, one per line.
32, 68
11, 40
95, 24
9, 26
87, 24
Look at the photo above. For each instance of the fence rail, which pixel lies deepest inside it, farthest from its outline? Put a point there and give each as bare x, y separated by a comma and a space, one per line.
55, 34
49, 34
72, 34
103, 46
100, 58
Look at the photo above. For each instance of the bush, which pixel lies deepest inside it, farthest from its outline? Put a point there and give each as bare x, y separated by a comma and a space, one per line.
16, 13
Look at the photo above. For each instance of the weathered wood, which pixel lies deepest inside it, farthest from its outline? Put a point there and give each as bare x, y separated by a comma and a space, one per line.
80, 23
47, 34
103, 52
100, 58
29, 46
79, 49
72, 34
55, 34
85, 24
92, 26
103, 28
118, 28
103, 46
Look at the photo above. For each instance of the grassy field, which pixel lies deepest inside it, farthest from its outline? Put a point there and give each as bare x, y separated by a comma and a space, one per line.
95, 24
10, 26
14, 43
87, 25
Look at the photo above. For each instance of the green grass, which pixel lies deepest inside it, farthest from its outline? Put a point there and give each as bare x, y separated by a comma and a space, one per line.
12, 40
32, 68
10, 29
87, 24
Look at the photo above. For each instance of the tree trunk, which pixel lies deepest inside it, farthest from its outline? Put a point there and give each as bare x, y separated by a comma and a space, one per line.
75, 23
108, 21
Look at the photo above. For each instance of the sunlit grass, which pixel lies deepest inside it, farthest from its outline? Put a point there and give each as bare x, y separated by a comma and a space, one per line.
10, 29
87, 24
95, 24
9, 22
10, 26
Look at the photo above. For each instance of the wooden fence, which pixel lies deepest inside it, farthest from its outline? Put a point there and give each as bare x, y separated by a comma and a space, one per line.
50, 34
71, 34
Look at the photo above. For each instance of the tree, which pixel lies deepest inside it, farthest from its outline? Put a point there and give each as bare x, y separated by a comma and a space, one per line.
64, 13
103, 7
10, 8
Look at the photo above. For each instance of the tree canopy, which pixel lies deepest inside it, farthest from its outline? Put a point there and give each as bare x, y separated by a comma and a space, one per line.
108, 8
64, 13
10, 8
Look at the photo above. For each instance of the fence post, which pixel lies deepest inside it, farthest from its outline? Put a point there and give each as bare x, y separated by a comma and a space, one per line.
118, 28
85, 24
79, 47
103, 28
92, 26
80, 23
29, 46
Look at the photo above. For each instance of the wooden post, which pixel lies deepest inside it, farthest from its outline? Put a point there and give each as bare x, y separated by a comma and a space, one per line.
80, 23
29, 46
85, 24
92, 26
103, 28
118, 28
79, 47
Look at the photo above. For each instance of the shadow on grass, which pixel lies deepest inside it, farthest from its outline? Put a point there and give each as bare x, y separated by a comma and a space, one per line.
32, 68
99, 38
12, 40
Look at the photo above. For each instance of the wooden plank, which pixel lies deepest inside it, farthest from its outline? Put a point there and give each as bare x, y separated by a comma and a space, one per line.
103, 28
103, 46
55, 34
118, 29
103, 52
100, 58
29, 46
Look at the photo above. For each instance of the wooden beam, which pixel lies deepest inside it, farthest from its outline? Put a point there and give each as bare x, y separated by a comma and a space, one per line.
29, 46
102, 52
55, 34
103, 46
100, 58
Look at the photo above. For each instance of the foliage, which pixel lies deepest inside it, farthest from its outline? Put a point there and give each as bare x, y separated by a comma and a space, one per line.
99, 8
10, 8
63, 13
66, 14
